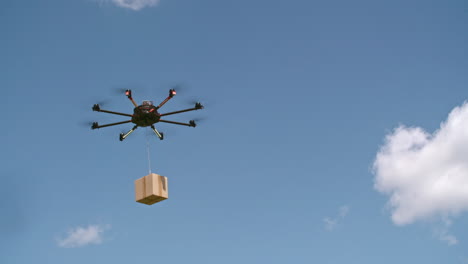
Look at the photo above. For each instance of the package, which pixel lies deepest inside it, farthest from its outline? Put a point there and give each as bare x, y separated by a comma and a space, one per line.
151, 189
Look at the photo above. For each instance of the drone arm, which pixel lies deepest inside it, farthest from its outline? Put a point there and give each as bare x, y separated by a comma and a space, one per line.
97, 108
115, 113
133, 102
198, 106
96, 125
181, 111
190, 124
172, 92
128, 93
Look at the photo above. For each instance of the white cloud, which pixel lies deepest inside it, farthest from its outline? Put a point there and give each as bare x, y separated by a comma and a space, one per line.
426, 175
343, 211
442, 234
135, 4
448, 238
82, 236
131, 4
331, 223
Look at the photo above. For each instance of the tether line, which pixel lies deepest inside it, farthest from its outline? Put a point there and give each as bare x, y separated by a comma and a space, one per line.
148, 151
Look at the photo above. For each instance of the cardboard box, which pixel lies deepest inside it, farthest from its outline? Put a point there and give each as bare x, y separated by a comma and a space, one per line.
151, 189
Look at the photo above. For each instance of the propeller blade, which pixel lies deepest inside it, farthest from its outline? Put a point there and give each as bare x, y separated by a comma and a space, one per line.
120, 90
86, 124
199, 120
179, 88
103, 102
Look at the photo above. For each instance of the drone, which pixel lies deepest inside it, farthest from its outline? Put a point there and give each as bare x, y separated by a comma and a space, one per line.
145, 115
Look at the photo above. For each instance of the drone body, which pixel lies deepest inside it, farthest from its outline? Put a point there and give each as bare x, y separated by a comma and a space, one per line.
145, 115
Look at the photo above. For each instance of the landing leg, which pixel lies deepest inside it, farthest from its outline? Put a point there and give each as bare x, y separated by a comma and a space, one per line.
123, 136
160, 135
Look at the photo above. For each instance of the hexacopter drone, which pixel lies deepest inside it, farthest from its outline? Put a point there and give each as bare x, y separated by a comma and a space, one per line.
145, 115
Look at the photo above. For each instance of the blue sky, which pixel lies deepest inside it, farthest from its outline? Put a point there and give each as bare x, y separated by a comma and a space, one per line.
291, 163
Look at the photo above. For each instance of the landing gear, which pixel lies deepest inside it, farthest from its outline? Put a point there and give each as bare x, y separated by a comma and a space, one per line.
123, 136
160, 135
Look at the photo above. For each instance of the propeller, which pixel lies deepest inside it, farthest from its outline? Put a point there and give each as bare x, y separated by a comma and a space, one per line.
103, 102
200, 119
196, 121
100, 103
190, 101
121, 90
87, 124
180, 88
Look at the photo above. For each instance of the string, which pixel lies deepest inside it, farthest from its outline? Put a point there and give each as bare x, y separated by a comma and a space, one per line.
148, 151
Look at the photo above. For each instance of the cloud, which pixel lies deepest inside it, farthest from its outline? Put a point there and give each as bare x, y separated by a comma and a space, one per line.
442, 233
343, 211
426, 175
135, 4
331, 223
82, 236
